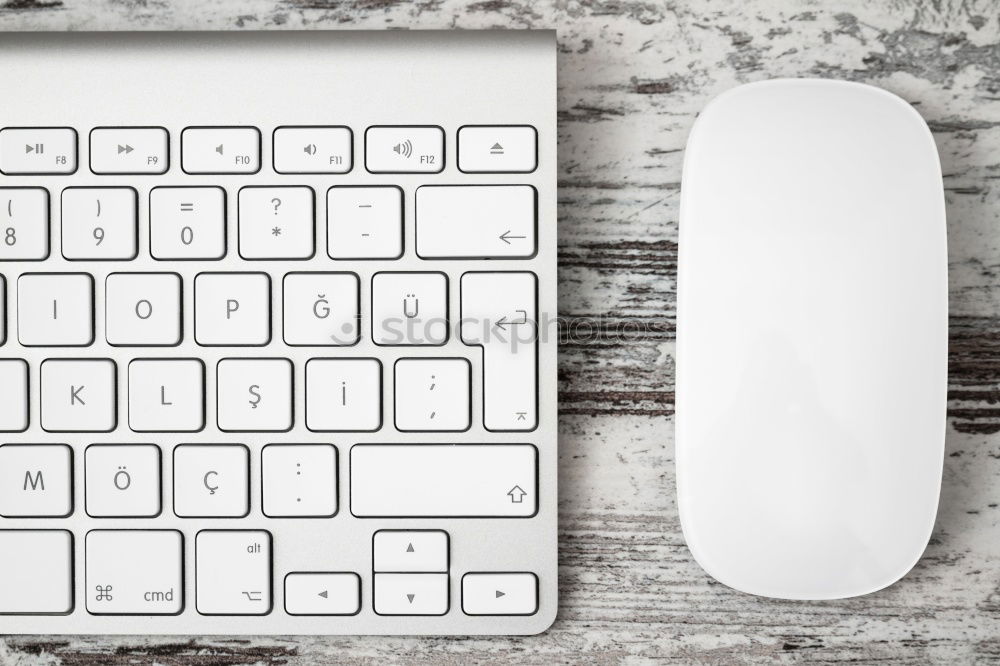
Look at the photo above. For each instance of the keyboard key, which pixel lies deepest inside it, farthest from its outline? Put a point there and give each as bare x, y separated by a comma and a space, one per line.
432, 394
3, 309
277, 223
78, 395
410, 551
497, 149
299, 480
123, 480
232, 309
36, 480
321, 309
254, 395
315, 593
343, 394
24, 223
143, 309
411, 594
166, 395
364, 222
401, 149
468, 480
13, 395
313, 150
135, 572
99, 223
499, 594
36, 572
55, 309
187, 223
129, 150
233, 572
218, 150
505, 218
498, 314
211, 481
409, 308
37, 151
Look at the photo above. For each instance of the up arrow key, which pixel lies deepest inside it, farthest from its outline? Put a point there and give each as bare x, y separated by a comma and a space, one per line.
411, 551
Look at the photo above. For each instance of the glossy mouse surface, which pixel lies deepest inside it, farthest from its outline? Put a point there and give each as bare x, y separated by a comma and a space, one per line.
812, 337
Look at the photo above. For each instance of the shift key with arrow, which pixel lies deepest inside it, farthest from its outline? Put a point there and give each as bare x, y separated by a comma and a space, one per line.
476, 221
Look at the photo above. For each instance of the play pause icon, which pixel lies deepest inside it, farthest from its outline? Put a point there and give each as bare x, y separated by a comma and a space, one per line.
37, 148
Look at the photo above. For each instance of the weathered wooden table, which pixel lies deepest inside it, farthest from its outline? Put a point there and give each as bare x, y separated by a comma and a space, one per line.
633, 75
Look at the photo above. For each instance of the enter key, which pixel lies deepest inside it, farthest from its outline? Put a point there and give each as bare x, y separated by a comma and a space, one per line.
499, 314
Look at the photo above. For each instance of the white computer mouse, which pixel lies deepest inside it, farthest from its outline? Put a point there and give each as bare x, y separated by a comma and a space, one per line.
812, 339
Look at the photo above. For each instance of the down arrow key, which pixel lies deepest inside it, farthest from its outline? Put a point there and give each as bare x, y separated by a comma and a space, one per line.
411, 594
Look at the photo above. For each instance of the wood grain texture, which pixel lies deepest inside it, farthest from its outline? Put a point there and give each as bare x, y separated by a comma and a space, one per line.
633, 75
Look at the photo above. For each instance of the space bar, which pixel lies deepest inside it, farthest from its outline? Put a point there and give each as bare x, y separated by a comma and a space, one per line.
444, 480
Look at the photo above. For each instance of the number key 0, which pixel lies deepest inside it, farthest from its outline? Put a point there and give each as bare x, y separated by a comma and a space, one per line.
187, 223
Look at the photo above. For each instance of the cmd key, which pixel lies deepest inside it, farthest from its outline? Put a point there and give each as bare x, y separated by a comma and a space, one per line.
135, 572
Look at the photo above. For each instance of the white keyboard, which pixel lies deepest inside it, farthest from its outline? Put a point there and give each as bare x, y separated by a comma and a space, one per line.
277, 318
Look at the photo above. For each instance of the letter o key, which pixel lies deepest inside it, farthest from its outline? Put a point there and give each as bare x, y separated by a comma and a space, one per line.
140, 308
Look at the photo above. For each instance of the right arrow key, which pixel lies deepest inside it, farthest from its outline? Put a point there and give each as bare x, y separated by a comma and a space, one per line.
508, 593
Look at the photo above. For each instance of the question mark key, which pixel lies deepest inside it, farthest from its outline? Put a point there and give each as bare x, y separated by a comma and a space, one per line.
276, 222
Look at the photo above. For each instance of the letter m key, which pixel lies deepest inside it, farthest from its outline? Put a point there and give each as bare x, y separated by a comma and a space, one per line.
36, 482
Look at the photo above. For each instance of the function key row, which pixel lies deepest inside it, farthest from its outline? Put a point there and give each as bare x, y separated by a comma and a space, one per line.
362, 222
141, 572
296, 150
